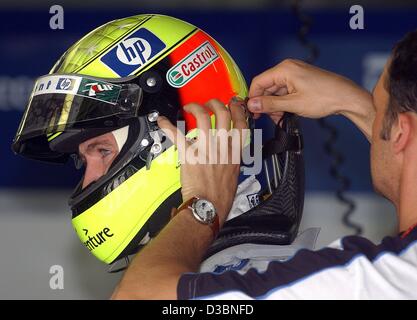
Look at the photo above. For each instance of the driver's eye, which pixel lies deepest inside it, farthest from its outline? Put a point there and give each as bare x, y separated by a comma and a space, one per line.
104, 152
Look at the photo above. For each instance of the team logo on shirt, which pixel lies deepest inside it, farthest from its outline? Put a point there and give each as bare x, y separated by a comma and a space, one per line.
253, 200
238, 265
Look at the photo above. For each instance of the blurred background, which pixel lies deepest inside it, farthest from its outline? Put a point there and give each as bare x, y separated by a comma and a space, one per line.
35, 222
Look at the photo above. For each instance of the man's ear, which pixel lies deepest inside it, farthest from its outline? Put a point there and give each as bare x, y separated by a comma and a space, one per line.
403, 132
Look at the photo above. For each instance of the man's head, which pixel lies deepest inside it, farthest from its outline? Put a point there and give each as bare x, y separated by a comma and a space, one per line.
123, 75
394, 134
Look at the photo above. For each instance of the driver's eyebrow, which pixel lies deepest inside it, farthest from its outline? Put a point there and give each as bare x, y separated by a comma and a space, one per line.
92, 145
99, 143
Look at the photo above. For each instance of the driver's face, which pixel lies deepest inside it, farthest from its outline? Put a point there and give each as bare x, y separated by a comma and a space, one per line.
97, 155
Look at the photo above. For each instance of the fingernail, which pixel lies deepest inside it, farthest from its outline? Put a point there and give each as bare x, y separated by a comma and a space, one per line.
186, 107
255, 104
236, 99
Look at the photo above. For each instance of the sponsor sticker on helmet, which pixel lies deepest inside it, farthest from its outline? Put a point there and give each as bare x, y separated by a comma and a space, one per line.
189, 67
93, 242
76, 85
99, 90
56, 84
133, 52
65, 84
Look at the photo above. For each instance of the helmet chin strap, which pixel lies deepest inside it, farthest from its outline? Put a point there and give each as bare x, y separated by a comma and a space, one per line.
120, 135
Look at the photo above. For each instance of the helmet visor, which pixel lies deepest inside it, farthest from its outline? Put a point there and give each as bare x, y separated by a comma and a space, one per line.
64, 102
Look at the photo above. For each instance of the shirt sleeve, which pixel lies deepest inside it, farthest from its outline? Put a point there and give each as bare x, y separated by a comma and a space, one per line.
357, 269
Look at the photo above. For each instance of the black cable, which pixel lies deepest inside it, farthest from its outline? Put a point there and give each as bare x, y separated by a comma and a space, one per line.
329, 145
304, 29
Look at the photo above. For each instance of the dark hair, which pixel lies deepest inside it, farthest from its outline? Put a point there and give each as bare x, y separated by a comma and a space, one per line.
401, 82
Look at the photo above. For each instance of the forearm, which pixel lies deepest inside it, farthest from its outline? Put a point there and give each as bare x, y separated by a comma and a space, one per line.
155, 271
311, 92
360, 110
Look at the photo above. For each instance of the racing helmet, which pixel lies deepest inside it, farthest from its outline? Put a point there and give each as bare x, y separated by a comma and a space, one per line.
121, 76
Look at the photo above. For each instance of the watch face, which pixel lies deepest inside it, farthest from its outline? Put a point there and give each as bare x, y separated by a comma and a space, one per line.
205, 211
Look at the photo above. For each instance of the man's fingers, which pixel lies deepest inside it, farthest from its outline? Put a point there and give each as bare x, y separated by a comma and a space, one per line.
240, 124
222, 113
281, 91
268, 80
201, 115
173, 134
271, 91
261, 83
270, 104
238, 114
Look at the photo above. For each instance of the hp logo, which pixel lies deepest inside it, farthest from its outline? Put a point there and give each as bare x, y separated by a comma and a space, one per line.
65, 84
134, 51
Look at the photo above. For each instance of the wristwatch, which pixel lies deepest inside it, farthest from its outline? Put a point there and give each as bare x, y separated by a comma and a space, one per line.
203, 211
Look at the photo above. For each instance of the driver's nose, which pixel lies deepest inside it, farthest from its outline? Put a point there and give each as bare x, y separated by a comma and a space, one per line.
94, 170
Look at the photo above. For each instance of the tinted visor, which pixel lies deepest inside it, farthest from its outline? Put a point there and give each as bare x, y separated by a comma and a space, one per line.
63, 103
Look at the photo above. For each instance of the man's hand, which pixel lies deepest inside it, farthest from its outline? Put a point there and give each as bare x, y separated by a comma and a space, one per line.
180, 246
213, 174
297, 87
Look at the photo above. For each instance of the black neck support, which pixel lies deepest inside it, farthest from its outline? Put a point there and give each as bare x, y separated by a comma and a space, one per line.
276, 219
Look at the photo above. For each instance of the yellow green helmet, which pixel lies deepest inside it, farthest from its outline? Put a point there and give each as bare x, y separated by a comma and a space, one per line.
123, 75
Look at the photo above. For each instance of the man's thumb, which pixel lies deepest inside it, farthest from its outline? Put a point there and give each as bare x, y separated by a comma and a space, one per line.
269, 104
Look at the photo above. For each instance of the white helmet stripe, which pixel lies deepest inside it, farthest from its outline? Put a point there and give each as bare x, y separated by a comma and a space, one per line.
121, 136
